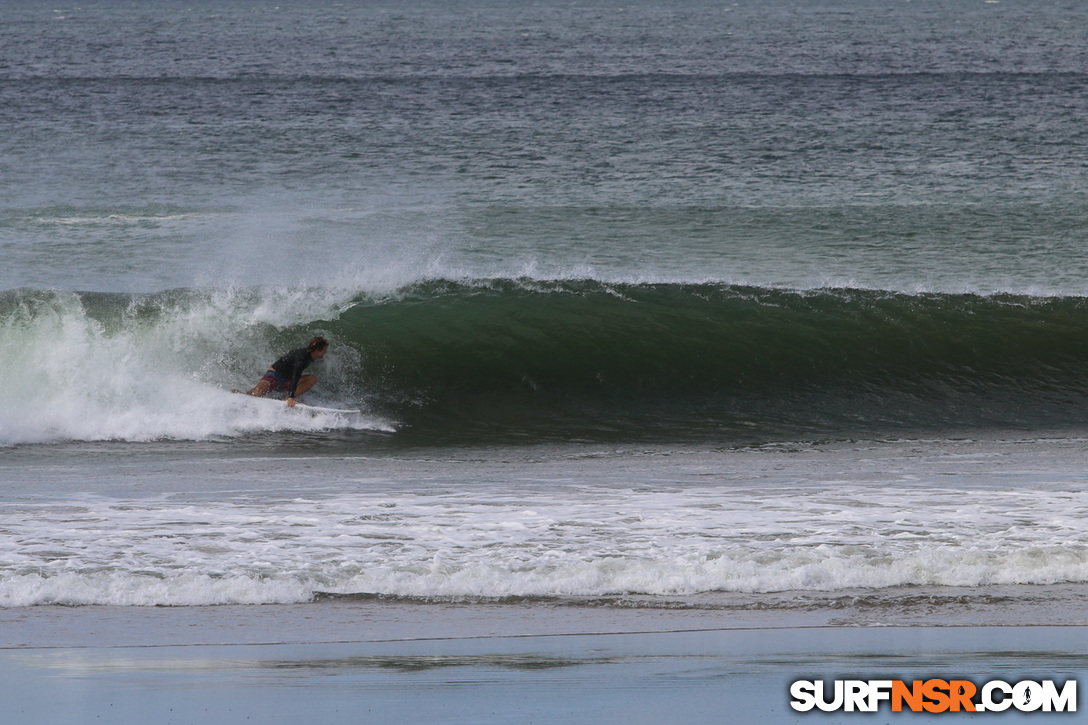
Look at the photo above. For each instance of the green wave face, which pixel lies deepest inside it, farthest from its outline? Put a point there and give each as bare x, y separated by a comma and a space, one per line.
583, 355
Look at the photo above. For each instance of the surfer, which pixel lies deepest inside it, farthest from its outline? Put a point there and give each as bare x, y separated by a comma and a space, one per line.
286, 376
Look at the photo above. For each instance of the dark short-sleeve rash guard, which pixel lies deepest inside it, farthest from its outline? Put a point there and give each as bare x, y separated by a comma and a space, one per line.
290, 367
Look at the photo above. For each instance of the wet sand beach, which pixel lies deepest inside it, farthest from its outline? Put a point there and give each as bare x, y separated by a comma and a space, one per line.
351, 662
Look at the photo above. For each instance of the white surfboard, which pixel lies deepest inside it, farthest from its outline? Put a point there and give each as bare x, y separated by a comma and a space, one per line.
305, 407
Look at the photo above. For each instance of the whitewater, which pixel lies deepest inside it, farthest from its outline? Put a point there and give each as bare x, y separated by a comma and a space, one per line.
793, 527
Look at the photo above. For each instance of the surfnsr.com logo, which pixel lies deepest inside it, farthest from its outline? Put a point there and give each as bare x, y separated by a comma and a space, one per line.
934, 695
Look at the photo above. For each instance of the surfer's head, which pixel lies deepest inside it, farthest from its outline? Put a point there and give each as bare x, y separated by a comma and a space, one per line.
317, 345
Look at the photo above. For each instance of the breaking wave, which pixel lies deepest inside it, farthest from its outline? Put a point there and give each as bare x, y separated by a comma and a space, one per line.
529, 359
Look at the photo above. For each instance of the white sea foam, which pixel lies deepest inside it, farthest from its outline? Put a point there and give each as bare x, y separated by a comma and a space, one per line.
78, 377
586, 541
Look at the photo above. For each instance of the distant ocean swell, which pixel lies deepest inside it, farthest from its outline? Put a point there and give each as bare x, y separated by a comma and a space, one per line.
446, 359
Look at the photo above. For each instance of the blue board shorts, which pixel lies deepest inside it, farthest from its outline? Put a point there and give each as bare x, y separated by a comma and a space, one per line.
275, 382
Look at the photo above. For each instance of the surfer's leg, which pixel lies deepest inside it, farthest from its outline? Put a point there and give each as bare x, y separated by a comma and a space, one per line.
270, 381
305, 383
261, 389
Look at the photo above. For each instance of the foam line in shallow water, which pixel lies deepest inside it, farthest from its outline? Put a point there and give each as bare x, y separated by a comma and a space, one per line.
582, 541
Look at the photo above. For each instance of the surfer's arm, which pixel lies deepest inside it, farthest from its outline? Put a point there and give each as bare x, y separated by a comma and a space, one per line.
298, 365
293, 390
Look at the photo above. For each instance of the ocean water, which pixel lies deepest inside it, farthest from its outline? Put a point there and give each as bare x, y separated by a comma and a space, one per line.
739, 305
